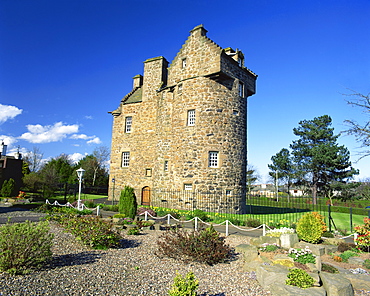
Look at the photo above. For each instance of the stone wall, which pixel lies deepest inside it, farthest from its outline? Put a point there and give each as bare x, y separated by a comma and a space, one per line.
167, 153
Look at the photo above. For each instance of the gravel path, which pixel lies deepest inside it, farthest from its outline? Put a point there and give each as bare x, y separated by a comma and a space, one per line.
131, 270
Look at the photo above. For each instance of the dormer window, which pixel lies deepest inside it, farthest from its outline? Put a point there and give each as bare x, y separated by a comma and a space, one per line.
183, 63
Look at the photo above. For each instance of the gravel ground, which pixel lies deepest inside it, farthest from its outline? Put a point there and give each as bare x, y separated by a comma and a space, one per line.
131, 270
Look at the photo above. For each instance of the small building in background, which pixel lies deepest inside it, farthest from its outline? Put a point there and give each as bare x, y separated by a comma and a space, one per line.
11, 168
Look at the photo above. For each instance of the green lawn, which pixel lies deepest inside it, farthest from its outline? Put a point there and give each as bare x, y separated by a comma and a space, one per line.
83, 196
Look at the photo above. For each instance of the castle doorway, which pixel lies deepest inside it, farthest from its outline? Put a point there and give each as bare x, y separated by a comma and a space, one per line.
145, 196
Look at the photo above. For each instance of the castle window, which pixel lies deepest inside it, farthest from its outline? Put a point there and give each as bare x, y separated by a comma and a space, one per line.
229, 192
128, 124
183, 63
213, 159
125, 159
241, 89
240, 62
180, 88
191, 117
188, 187
165, 167
148, 172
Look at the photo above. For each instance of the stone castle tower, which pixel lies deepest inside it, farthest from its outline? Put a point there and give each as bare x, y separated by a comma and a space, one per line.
184, 127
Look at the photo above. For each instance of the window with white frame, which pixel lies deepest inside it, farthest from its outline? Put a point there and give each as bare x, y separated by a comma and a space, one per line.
241, 89
125, 159
183, 63
191, 117
128, 124
188, 186
165, 166
213, 159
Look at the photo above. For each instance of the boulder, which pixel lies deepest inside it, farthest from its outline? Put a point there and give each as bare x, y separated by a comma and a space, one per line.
317, 250
258, 241
288, 241
336, 284
249, 252
268, 275
359, 281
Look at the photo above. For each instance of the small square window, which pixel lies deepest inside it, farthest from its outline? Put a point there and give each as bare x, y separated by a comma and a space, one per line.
183, 63
125, 159
229, 192
213, 159
148, 172
191, 117
128, 124
165, 167
188, 187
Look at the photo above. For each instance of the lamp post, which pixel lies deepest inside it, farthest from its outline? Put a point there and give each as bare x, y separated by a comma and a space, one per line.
113, 181
80, 173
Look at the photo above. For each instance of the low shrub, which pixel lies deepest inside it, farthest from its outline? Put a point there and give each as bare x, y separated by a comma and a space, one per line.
310, 227
347, 254
142, 223
328, 268
363, 238
302, 255
266, 247
366, 263
252, 223
205, 246
236, 222
184, 286
133, 231
89, 203
92, 231
279, 231
142, 210
24, 246
200, 214
299, 278
343, 246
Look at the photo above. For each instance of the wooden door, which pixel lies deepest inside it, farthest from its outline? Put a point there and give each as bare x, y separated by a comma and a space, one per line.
145, 196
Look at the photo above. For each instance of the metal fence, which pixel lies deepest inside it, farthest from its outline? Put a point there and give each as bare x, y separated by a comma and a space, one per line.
235, 205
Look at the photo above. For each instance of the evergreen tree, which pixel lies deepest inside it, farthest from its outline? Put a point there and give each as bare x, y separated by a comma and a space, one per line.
7, 190
127, 202
283, 168
318, 155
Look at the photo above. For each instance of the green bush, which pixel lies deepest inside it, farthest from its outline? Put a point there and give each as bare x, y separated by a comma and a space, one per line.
127, 202
200, 214
7, 190
252, 223
204, 246
184, 286
366, 263
299, 278
310, 227
347, 254
133, 231
92, 231
24, 246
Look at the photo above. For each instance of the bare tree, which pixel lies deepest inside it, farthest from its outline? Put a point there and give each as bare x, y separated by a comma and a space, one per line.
361, 131
34, 159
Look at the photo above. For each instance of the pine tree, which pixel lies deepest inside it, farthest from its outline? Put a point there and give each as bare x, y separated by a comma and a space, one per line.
127, 202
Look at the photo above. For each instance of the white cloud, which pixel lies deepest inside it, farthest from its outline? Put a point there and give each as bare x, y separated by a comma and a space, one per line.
48, 133
96, 140
8, 140
8, 112
80, 137
76, 157
91, 139
88, 117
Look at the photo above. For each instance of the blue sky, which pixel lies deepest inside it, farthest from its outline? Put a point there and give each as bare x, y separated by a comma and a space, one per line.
65, 64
